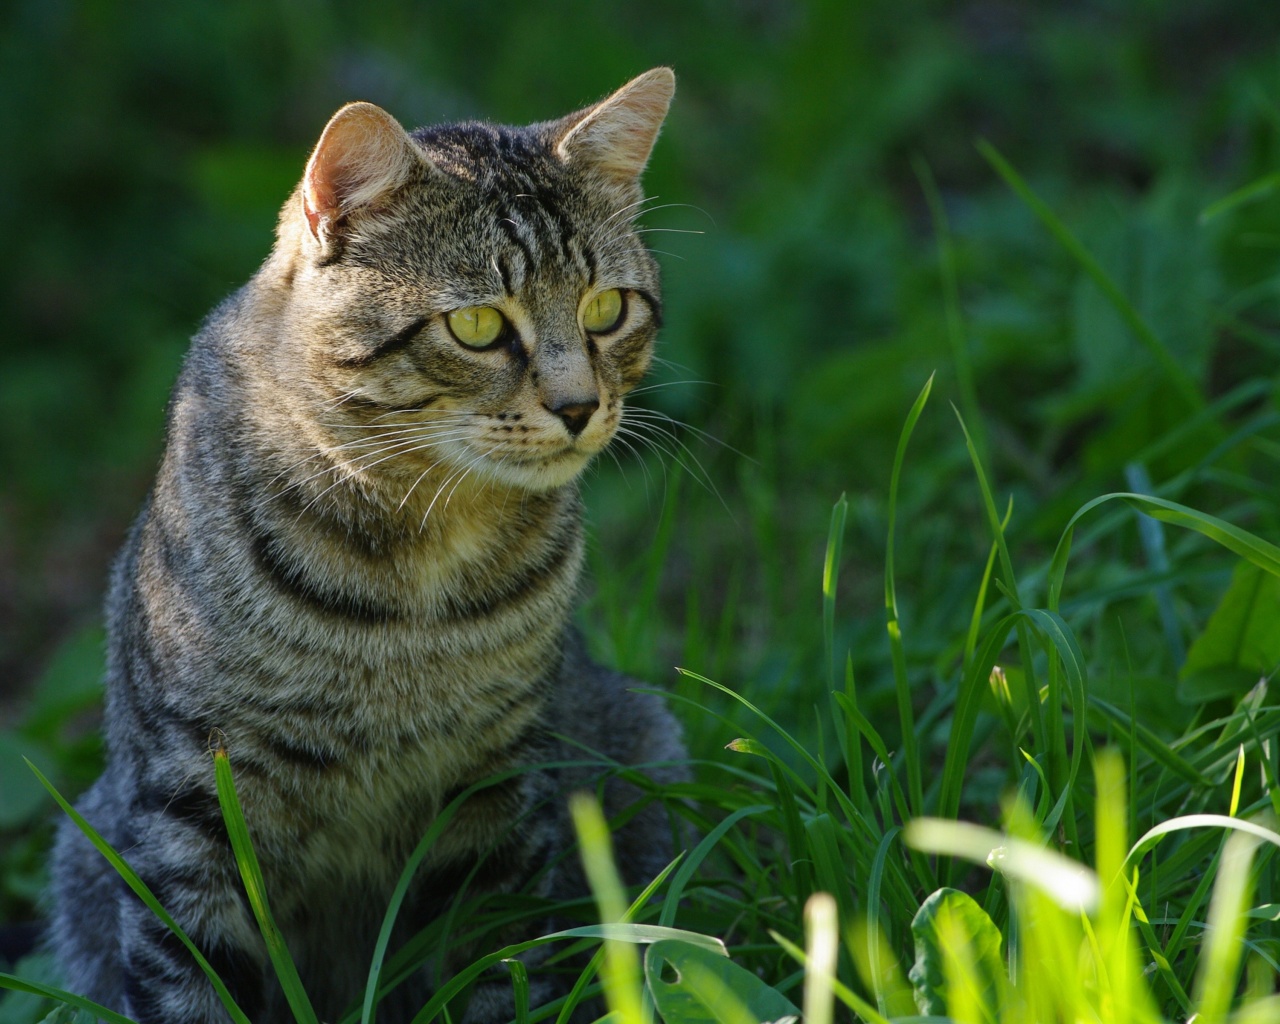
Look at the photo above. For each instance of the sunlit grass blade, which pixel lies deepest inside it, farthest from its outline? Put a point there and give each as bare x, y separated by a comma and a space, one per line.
143, 893
1069, 884
586, 976
1237, 782
255, 889
821, 944
620, 971
1190, 821
841, 991
1220, 960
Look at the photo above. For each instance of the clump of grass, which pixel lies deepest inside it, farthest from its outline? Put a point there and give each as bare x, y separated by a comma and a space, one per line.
823, 859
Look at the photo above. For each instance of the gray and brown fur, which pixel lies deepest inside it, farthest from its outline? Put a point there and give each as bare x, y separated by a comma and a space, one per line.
358, 562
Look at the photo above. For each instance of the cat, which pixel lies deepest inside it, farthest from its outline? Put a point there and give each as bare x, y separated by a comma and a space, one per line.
357, 565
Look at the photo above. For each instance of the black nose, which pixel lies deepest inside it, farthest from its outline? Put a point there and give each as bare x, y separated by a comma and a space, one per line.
576, 415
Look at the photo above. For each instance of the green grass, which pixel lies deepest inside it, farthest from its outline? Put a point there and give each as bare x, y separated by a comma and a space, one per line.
1054, 616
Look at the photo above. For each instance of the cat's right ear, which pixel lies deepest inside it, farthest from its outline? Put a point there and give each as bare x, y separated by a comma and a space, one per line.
617, 134
363, 156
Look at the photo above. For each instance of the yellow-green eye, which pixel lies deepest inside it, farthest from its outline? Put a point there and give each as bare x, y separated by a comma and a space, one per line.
476, 326
603, 312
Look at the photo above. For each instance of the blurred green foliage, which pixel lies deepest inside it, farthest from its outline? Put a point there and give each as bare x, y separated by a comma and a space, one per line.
150, 146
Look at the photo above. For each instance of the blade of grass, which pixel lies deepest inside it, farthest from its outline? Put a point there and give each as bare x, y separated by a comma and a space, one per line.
951, 302
906, 716
255, 889
36, 988
1011, 592
1069, 884
143, 893
1255, 190
1163, 967
1189, 821
820, 930
980, 602
1169, 366
371, 993
830, 571
699, 853
874, 929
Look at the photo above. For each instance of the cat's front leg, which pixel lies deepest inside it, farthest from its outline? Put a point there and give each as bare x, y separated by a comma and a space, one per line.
196, 881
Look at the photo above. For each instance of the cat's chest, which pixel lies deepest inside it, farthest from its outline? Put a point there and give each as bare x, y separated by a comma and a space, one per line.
359, 820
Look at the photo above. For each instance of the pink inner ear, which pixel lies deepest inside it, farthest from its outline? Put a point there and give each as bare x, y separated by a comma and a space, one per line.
317, 196
362, 155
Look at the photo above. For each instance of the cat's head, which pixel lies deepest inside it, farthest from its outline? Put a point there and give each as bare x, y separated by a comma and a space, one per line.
472, 298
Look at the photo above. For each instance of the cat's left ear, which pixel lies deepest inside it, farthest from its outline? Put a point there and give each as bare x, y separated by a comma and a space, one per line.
362, 156
617, 134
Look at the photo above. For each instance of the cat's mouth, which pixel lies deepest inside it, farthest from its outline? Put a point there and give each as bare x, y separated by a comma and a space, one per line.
541, 471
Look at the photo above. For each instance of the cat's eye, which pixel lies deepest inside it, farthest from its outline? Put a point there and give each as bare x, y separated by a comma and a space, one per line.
603, 312
476, 326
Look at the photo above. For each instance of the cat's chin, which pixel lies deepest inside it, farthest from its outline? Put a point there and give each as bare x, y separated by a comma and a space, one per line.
538, 475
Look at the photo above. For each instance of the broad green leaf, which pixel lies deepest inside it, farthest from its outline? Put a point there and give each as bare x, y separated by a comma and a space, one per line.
1240, 642
24, 798
691, 985
49, 992
637, 933
71, 682
945, 910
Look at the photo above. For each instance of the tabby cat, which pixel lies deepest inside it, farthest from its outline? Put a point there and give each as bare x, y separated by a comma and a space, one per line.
358, 561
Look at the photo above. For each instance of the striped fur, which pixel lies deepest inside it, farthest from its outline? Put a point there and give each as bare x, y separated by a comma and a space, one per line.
358, 561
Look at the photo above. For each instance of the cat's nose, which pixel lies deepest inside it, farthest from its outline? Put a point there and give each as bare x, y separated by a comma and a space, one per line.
575, 415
